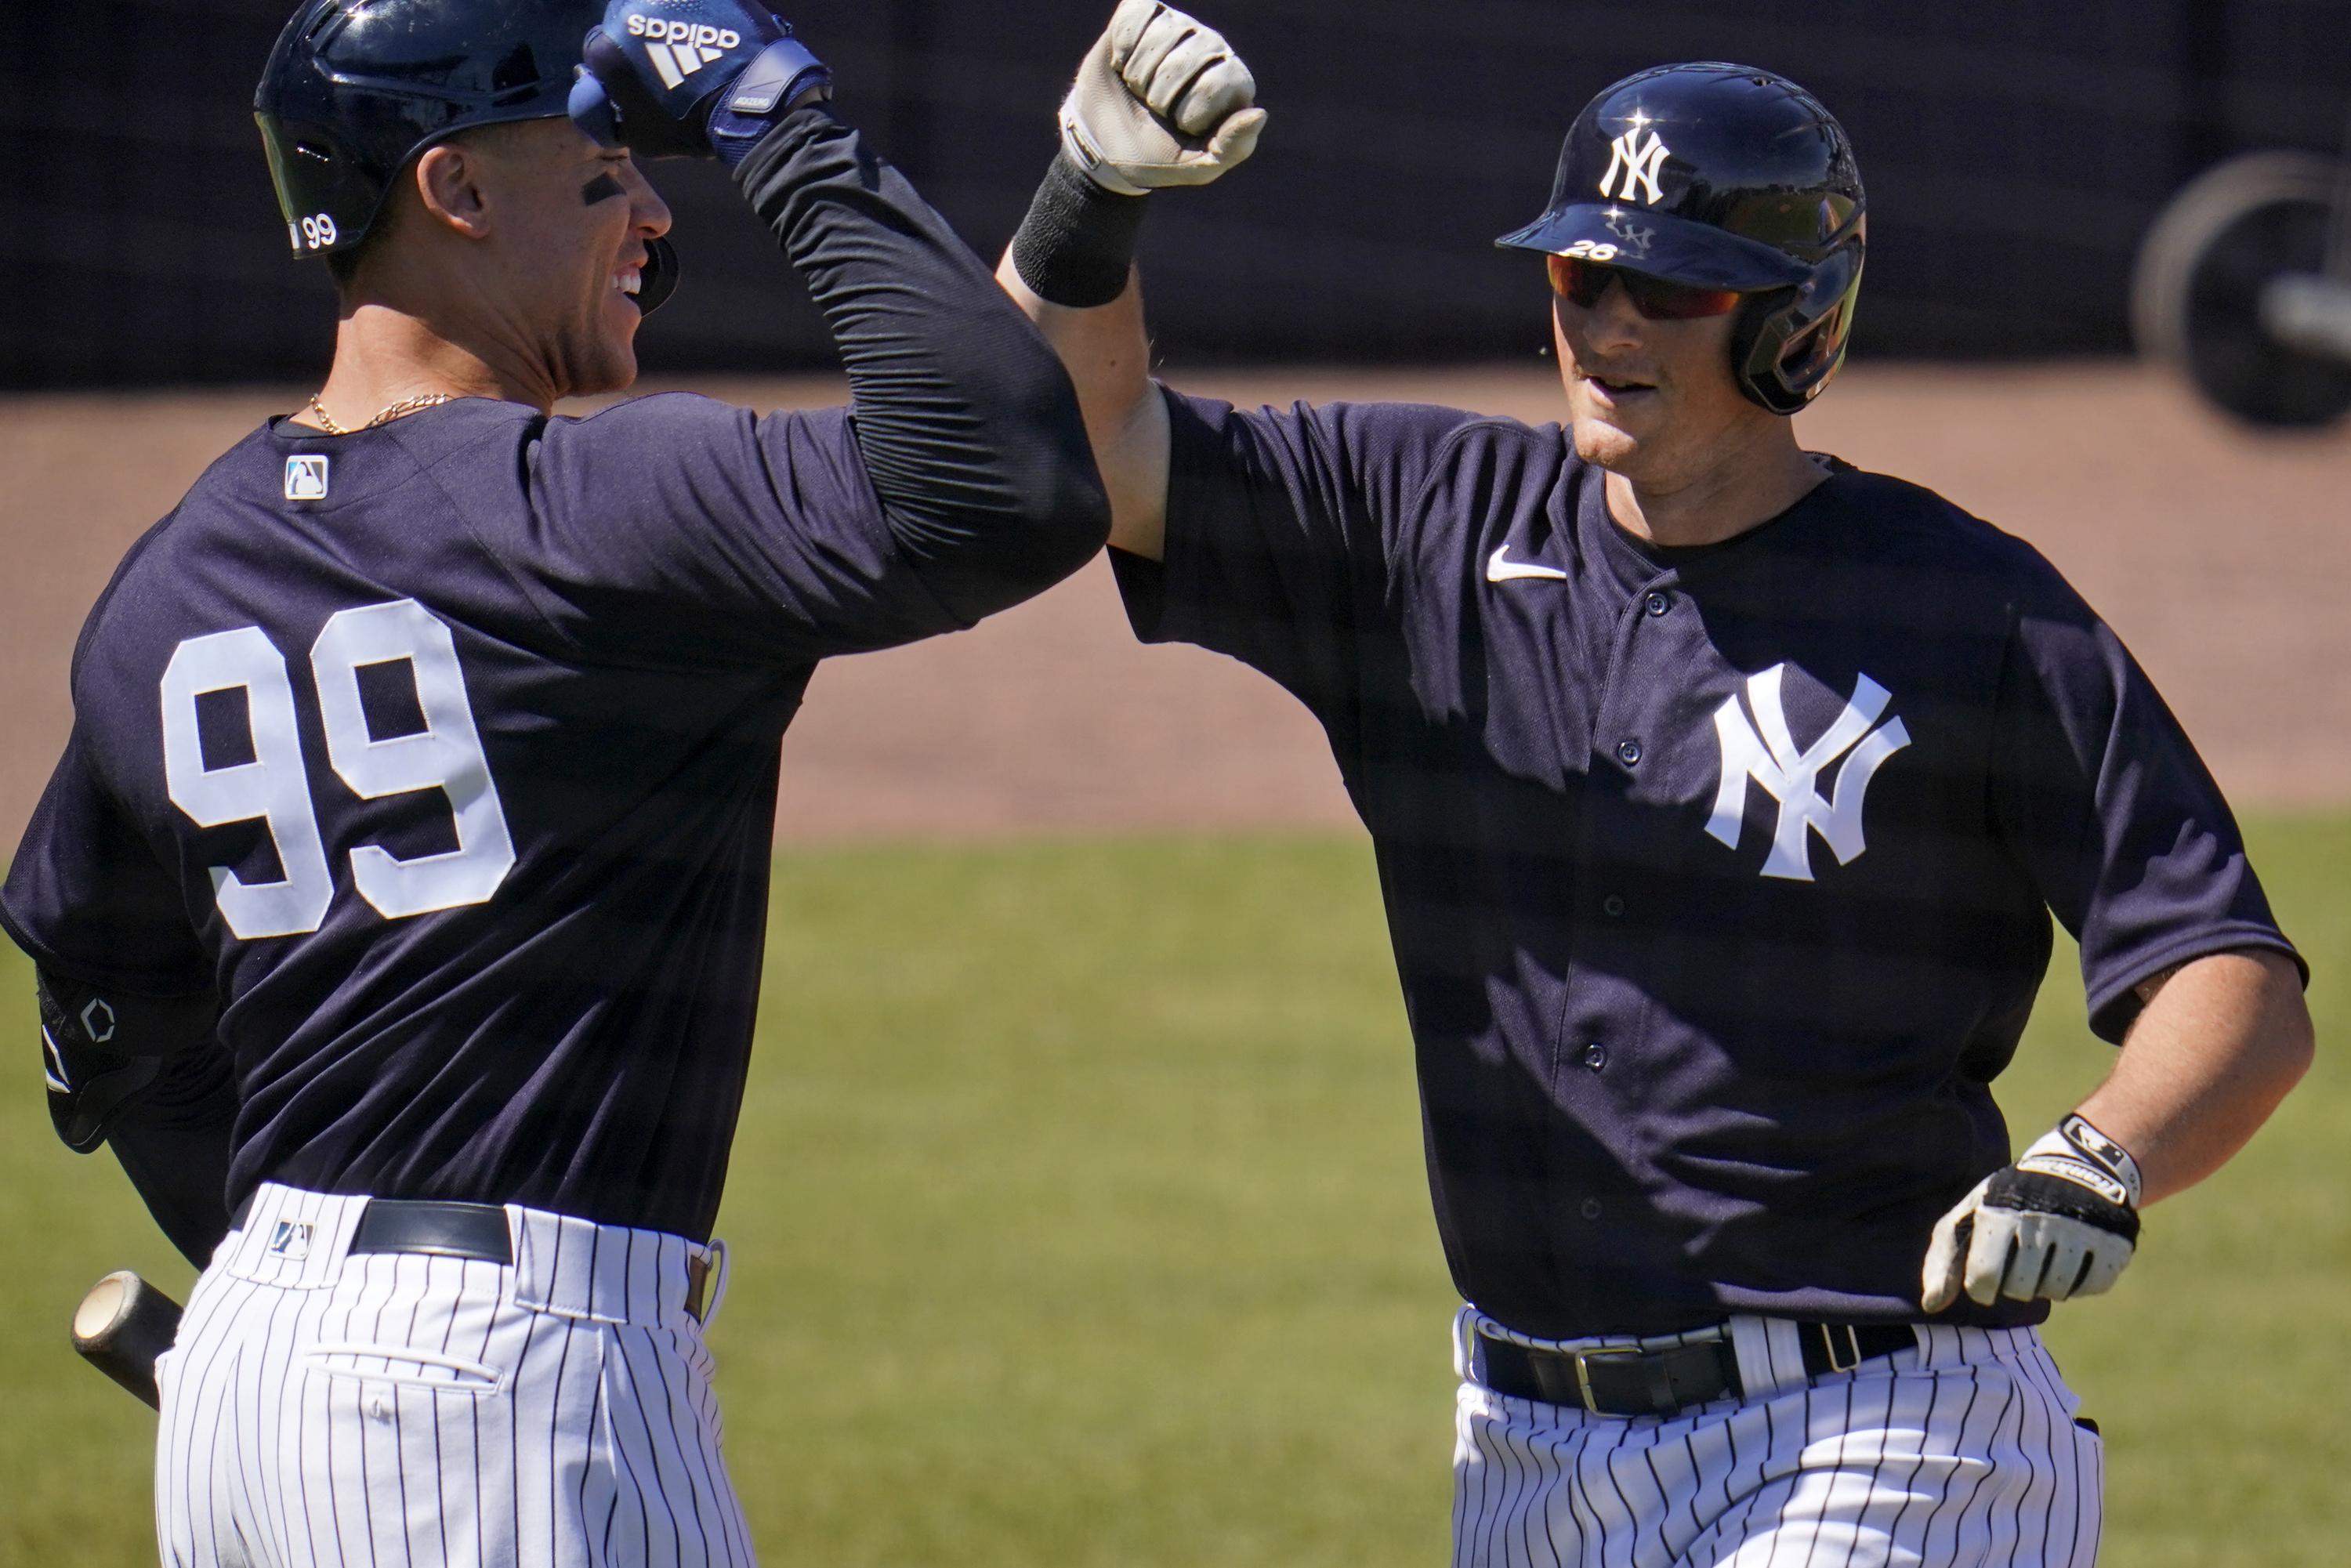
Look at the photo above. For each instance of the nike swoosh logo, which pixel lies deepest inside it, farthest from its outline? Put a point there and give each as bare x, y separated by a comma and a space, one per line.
1500, 568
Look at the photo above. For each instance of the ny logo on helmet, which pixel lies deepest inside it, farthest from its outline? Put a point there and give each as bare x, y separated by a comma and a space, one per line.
1638, 162
1789, 776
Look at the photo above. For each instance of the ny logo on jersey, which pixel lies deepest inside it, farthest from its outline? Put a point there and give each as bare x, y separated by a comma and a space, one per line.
1637, 161
306, 478
1789, 775
290, 1239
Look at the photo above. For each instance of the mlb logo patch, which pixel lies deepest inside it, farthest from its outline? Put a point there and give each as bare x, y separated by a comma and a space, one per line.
306, 478
291, 1239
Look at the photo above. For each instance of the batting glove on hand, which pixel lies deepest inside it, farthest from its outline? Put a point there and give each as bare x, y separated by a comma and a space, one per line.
2061, 1221
671, 79
1161, 101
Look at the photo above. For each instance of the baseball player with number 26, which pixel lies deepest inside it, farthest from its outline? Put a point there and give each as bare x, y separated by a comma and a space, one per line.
398, 905
1722, 794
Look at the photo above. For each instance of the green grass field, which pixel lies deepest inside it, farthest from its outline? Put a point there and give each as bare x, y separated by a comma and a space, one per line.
1078, 1218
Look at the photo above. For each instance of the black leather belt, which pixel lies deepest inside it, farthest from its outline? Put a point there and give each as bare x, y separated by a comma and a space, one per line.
447, 1230
476, 1230
1664, 1382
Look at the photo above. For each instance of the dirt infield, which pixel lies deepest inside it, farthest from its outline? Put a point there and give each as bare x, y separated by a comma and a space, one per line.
2222, 557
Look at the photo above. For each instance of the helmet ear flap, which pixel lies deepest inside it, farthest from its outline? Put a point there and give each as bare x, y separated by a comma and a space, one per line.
1757, 339
1788, 343
328, 197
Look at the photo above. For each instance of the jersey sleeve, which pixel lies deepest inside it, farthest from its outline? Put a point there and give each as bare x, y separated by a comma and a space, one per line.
1285, 532
88, 899
962, 484
684, 530
99, 915
2099, 793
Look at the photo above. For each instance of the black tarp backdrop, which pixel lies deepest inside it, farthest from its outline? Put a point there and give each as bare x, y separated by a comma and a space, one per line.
2014, 150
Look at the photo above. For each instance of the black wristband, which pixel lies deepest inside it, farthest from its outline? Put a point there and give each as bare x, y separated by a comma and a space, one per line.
1077, 245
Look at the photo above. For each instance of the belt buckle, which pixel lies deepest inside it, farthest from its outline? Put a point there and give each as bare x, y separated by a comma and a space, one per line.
1584, 1358
1830, 1333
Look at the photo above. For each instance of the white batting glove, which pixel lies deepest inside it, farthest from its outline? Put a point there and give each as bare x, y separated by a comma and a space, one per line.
2061, 1221
1161, 101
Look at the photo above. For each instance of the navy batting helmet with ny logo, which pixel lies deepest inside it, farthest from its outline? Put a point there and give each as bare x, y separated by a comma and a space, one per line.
1722, 176
356, 88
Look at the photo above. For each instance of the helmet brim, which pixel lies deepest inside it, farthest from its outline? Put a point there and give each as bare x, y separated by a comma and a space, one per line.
1660, 245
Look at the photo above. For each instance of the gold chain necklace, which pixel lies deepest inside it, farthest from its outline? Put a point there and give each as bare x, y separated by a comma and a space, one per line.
385, 415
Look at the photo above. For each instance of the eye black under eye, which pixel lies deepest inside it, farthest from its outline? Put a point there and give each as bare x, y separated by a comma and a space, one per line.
602, 188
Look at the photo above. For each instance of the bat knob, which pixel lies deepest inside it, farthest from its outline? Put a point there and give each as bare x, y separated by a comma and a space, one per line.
104, 1309
122, 1324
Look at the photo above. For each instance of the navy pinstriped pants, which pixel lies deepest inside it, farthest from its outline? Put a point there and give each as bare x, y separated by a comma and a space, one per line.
399, 1410
1961, 1454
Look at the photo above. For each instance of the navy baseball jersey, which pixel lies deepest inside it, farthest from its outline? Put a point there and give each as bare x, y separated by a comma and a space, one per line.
1720, 878
444, 755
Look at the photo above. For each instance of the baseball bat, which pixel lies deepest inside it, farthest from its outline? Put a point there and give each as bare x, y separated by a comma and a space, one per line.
121, 1327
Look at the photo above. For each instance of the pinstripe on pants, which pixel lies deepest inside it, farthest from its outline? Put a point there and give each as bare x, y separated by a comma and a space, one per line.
398, 1410
1963, 1454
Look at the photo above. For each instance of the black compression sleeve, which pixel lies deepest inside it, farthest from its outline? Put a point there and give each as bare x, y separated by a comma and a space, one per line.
173, 1143
969, 426
1076, 247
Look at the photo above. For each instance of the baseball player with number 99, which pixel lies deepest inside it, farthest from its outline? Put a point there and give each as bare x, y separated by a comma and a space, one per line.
398, 904
1722, 793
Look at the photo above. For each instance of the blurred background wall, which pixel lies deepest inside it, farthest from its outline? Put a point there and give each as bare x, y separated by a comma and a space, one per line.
2015, 151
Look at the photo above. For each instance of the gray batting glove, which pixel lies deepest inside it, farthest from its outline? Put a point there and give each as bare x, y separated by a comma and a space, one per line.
2061, 1221
1161, 101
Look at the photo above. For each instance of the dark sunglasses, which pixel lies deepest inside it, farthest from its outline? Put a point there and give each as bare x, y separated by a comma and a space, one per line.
1584, 282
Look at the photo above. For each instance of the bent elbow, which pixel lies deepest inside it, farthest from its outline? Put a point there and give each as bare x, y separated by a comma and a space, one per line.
2289, 1032
1053, 486
1022, 540
1055, 495
1029, 551
1039, 515
2297, 1047
1071, 522
991, 487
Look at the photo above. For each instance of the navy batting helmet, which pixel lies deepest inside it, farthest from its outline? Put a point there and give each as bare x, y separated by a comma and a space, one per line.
355, 89
1722, 176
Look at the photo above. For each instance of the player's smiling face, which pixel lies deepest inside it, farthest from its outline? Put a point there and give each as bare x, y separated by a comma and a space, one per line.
570, 243
598, 211
1652, 400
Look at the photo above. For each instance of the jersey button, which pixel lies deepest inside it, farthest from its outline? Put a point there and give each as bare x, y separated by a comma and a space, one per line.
1656, 604
1628, 752
1595, 1056
1591, 1210
1612, 906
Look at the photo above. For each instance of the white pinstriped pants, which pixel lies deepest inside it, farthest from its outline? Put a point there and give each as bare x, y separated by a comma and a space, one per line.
399, 1410
1961, 1454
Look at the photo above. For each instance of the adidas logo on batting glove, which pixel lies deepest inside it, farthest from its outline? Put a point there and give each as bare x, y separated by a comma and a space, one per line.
653, 73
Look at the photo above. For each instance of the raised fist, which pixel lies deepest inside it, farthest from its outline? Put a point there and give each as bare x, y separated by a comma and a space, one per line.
656, 71
1161, 101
